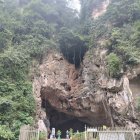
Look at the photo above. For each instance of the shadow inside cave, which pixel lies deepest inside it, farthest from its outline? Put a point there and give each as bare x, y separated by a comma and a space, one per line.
63, 122
74, 55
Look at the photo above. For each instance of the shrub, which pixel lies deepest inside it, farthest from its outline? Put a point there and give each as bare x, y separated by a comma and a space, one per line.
5, 133
42, 136
114, 65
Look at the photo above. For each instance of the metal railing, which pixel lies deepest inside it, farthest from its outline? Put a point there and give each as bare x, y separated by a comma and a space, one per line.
104, 133
111, 134
107, 134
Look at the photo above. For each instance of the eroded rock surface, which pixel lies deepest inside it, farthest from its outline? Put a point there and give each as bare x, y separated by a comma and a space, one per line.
86, 93
100, 9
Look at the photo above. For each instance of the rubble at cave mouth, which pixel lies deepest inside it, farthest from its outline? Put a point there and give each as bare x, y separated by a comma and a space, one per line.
62, 121
74, 55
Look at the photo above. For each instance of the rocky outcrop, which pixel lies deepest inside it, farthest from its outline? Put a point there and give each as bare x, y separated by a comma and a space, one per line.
69, 90
133, 72
86, 93
100, 9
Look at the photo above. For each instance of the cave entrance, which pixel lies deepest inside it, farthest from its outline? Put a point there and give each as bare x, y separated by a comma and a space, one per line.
62, 121
73, 46
74, 55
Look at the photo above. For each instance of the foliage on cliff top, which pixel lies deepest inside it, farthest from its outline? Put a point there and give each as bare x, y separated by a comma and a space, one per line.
118, 29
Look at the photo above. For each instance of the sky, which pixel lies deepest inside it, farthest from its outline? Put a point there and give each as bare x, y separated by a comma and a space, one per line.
75, 4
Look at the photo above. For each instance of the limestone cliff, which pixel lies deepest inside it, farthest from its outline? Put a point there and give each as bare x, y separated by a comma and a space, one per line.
86, 93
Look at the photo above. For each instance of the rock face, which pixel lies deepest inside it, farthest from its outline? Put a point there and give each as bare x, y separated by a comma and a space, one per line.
86, 93
100, 9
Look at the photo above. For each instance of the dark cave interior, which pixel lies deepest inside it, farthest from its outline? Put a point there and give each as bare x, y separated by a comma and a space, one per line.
74, 55
62, 121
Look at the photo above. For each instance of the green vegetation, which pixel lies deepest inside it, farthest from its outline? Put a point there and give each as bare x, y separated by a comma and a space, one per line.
5, 133
78, 136
42, 136
59, 134
71, 132
29, 28
114, 65
17, 103
119, 28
